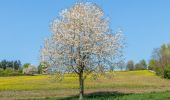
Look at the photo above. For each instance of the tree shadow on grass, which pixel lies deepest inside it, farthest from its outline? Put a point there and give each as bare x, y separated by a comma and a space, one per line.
103, 95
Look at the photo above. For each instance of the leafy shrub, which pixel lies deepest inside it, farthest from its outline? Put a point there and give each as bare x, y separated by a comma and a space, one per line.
9, 72
1, 72
167, 73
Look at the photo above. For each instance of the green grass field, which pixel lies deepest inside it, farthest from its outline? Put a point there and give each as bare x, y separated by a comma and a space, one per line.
120, 83
117, 96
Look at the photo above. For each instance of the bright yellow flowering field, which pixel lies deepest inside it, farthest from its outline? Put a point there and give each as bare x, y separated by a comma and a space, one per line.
131, 79
46, 85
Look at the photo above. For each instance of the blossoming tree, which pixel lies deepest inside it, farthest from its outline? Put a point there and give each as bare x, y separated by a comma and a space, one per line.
82, 42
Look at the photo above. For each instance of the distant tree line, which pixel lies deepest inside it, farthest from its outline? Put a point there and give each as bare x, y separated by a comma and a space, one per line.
141, 65
10, 68
15, 65
15, 68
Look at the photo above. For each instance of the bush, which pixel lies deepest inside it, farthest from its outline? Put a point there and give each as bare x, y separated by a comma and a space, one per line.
167, 73
9, 72
1, 72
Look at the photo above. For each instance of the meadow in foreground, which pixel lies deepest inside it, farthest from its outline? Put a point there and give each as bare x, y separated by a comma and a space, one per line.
118, 96
41, 86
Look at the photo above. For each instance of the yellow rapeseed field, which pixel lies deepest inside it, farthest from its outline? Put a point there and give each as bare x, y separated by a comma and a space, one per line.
46, 85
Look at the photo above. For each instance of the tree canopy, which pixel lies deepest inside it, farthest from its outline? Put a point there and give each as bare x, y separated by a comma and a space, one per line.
82, 42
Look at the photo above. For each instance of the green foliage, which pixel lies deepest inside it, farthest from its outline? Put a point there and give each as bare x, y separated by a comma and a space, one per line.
130, 65
26, 65
167, 72
160, 62
10, 68
152, 64
141, 65
42, 67
9, 72
10, 64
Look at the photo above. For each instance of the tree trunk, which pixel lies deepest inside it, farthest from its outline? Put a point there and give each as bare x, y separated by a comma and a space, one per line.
81, 82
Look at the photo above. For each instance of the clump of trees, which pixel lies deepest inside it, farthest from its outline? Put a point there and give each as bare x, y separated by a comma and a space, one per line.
130, 65
10, 68
15, 65
15, 68
141, 65
82, 42
160, 61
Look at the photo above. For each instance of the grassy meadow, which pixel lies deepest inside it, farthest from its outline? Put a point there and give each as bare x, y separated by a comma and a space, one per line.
117, 96
126, 83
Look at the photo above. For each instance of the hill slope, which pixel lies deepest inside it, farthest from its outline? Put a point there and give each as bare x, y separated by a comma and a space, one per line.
47, 86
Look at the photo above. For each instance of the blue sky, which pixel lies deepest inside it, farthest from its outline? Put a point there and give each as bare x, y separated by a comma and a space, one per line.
25, 23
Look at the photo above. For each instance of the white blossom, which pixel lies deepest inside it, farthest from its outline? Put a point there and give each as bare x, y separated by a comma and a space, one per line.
82, 37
